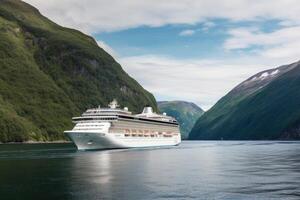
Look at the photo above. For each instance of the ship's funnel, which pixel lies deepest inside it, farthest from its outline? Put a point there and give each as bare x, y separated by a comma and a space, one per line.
114, 104
148, 110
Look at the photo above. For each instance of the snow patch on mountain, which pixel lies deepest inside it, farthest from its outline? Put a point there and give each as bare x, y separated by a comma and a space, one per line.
275, 72
263, 76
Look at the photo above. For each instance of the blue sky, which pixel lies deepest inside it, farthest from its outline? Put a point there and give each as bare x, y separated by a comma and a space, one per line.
192, 50
165, 40
200, 41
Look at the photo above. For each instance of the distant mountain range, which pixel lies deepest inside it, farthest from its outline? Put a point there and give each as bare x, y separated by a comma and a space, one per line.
49, 73
265, 106
185, 113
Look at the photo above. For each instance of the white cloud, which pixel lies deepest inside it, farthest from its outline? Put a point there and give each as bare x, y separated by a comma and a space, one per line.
289, 51
107, 48
281, 44
208, 25
200, 81
205, 26
109, 15
187, 32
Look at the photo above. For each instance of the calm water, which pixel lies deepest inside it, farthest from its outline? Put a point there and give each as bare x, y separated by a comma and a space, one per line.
193, 170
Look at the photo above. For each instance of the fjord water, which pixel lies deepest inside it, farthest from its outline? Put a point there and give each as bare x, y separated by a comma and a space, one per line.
193, 170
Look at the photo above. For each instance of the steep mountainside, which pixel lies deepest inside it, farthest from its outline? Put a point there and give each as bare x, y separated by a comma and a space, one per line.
265, 106
49, 73
185, 113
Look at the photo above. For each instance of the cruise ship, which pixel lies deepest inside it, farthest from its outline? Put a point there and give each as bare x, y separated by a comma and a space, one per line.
114, 127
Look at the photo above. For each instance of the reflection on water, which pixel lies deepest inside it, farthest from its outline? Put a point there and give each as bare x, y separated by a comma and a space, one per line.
193, 170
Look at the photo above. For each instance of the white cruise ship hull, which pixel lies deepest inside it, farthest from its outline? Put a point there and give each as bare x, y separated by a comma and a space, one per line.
87, 140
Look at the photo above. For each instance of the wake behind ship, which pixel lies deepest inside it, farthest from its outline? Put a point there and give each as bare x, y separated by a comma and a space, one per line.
113, 127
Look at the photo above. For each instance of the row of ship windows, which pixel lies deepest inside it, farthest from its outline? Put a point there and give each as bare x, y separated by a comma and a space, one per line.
100, 119
145, 133
150, 135
135, 128
135, 131
141, 135
81, 125
138, 123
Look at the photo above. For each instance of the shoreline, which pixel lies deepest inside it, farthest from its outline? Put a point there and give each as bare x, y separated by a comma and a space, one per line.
40, 142
70, 142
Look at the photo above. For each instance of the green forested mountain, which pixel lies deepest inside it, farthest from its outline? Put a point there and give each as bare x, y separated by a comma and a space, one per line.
265, 106
49, 73
185, 113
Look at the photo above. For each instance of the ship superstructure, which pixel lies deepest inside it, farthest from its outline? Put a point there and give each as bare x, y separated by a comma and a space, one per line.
114, 127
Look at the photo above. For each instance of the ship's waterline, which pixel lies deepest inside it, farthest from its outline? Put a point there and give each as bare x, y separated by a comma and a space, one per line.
112, 127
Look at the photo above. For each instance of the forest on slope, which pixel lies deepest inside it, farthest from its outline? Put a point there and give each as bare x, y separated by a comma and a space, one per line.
49, 73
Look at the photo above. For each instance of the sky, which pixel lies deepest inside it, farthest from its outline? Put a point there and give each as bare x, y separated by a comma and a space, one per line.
192, 50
